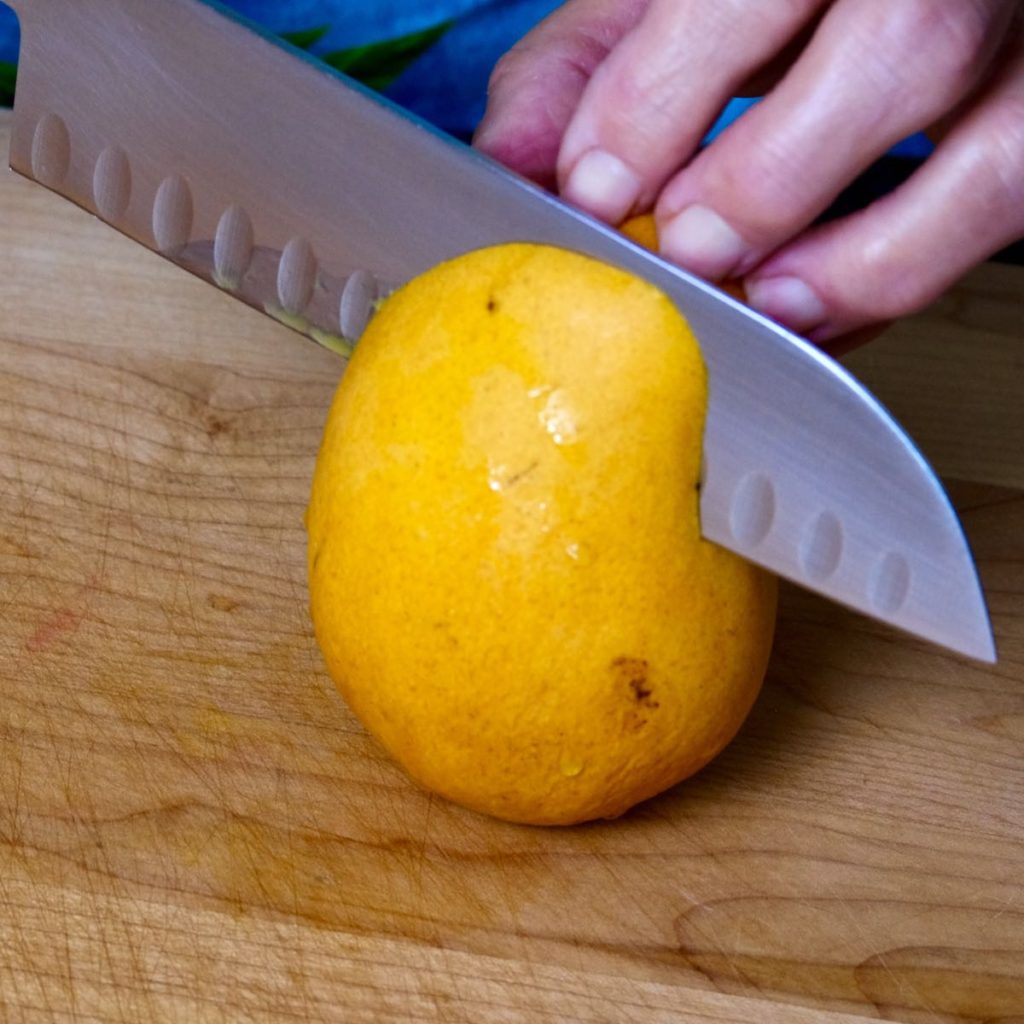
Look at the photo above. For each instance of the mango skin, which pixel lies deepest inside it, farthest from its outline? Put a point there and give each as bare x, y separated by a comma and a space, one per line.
507, 577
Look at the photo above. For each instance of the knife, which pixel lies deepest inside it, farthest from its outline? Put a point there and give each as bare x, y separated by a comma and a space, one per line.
252, 165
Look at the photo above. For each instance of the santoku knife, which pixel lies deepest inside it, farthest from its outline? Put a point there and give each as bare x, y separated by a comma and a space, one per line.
266, 173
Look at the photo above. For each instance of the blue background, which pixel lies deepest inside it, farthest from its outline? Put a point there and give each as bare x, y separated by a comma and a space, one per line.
447, 85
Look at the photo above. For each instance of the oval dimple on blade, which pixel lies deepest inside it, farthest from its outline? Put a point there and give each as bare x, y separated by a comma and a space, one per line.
51, 150
296, 276
752, 511
232, 247
172, 214
112, 183
889, 583
356, 307
821, 548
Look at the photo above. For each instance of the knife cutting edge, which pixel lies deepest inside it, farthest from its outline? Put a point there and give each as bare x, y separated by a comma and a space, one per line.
312, 204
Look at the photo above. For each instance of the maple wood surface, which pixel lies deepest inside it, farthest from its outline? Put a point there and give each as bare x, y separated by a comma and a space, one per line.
193, 827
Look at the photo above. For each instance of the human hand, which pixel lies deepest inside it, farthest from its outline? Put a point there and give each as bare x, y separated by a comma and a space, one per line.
608, 100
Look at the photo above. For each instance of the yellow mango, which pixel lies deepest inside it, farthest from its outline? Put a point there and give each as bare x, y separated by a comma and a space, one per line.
507, 576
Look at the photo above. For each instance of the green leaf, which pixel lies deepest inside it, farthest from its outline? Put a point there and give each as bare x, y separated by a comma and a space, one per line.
307, 37
8, 73
377, 65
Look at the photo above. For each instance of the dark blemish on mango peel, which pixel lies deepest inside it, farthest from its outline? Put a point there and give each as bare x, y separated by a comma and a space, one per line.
634, 672
640, 692
521, 475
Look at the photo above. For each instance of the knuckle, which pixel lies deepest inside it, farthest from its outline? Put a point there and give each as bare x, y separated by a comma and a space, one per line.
641, 104
957, 31
900, 295
721, 17
943, 44
886, 284
780, 16
770, 185
507, 69
776, 21
644, 96
535, 57
587, 49
960, 35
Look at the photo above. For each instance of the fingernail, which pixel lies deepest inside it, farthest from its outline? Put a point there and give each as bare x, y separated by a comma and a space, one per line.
602, 184
703, 242
788, 300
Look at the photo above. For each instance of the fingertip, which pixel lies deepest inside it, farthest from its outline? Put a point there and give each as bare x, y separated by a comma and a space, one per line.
790, 301
703, 242
603, 185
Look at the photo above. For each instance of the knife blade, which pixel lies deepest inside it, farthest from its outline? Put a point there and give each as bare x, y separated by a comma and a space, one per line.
266, 173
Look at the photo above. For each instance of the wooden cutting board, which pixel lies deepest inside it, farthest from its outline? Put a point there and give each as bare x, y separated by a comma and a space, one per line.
194, 828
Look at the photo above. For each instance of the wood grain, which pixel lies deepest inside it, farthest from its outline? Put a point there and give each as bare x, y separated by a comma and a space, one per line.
194, 828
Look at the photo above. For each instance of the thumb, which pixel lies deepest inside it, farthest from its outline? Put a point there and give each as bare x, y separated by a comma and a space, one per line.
535, 88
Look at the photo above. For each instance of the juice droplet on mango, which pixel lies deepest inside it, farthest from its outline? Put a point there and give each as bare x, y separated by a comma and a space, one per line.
559, 419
